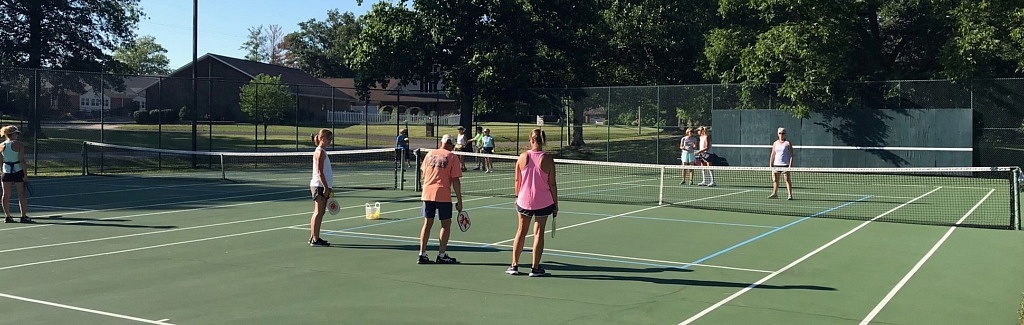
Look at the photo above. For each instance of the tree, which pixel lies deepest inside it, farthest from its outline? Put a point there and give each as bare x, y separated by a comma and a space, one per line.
484, 48
654, 42
275, 53
807, 51
256, 45
265, 100
72, 35
265, 45
143, 57
318, 47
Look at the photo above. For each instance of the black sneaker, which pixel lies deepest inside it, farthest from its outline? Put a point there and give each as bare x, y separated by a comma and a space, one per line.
9, 220
512, 270
447, 259
319, 242
422, 259
27, 220
538, 272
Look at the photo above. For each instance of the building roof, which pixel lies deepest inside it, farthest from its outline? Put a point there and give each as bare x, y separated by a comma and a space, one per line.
308, 85
389, 95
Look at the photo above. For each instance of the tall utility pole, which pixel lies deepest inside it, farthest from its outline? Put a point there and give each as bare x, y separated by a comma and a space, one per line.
195, 86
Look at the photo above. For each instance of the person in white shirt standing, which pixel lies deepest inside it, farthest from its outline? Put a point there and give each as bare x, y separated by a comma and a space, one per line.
781, 157
707, 176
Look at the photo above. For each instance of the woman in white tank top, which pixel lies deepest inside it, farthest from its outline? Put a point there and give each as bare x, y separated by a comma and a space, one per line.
780, 159
14, 173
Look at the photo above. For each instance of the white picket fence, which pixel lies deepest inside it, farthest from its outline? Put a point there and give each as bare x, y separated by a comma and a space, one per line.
375, 118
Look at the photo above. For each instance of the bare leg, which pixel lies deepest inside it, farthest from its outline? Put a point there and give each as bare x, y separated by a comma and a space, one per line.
775, 185
789, 185
517, 243
446, 230
425, 233
319, 206
22, 200
538, 239
6, 197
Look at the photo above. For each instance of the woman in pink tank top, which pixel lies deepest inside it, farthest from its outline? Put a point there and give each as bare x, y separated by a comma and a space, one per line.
536, 196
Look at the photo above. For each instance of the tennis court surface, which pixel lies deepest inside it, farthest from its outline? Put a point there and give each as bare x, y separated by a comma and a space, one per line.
168, 244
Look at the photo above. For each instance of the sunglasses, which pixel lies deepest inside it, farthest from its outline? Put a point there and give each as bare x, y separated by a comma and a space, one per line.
782, 133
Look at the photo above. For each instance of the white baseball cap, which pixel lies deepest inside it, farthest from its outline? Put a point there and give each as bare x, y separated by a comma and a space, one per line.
446, 138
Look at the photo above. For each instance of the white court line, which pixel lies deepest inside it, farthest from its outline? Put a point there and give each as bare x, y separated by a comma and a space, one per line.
162, 231
87, 310
560, 251
625, 214
797, 261
156, 205
878, 308
188, 241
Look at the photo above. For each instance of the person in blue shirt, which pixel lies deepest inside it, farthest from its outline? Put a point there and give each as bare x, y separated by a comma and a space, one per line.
402, 149
488, 148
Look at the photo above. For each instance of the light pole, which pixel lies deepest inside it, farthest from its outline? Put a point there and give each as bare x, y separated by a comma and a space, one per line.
436, 71
195, 86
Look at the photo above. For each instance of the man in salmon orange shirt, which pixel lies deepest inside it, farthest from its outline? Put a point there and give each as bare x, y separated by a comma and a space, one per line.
441, 172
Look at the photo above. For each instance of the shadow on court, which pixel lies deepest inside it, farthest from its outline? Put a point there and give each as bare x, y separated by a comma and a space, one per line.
416, 247
559, 266
88, 222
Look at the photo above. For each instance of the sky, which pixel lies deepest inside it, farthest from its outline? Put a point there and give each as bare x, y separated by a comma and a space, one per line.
223, 24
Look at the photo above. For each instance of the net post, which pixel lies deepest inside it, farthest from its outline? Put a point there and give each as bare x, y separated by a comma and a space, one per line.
401, 164
661, 187
85, 158
223, 173
417, 154
1015, 199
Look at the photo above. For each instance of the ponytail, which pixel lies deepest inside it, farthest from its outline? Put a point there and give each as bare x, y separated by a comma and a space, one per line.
323, 133
538, 136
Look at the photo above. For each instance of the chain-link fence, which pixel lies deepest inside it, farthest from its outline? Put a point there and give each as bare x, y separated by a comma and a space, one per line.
645, 124
57, 110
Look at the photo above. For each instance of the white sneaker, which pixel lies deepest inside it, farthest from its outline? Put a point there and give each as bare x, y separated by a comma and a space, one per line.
701, 184
712, 184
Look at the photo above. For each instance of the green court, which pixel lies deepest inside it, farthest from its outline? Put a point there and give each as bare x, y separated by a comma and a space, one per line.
188, 249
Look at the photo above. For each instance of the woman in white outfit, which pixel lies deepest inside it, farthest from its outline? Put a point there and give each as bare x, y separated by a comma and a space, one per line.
781, 157
707, 176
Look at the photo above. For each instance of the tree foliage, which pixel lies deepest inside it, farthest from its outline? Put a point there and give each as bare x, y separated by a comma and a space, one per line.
808, 49
255, 45
265, 100
76, 35
318, 47
144, 56
484, 48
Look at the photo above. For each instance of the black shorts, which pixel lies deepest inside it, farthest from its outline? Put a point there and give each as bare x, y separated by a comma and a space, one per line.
488, 149
442, 210
16, 177
542, 212
317, 192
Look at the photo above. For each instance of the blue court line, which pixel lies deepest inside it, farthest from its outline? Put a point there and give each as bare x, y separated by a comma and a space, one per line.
661, 219
705, 258
525, 249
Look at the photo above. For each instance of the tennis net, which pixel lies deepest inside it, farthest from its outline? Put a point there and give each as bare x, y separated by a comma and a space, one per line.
971, 196
369, 168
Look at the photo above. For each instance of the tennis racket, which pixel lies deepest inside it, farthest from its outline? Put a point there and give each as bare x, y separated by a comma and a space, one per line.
463, 220
333, 207
554, 224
